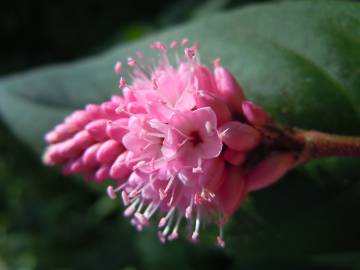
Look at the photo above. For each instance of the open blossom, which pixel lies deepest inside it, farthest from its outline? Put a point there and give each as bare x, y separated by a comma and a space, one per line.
176, 143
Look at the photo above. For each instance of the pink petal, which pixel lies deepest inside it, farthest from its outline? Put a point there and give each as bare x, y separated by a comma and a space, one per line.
132, 142
205, 120
220, 108
270, 170
117, 129
187, 177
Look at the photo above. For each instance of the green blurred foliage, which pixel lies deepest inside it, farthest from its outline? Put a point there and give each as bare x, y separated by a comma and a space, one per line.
51, 222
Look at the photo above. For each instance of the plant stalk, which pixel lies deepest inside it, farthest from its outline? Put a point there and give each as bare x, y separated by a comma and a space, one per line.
310, 144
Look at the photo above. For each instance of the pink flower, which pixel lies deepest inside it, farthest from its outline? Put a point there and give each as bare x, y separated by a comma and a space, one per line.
176, 143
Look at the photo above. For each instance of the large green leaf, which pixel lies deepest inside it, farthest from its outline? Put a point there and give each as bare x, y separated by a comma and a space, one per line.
300, 60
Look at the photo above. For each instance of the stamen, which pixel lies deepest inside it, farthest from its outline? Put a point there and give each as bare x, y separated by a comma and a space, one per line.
158, 46
163, 220
152, 212
136, 223
195, 234
162, 194
181, 133
220, 238
140, 164
207, 195
111, 192
173, 44
171, 181
223, 133
141, 218
122, 82
188, 210
168, 226
197, 199
172, 197
140, 206
136, 190
148, 209
161, 237
217, 62
118, 67
199, 168
131, 209
174, 233
184, 42
131, 62
125, 198
189, 52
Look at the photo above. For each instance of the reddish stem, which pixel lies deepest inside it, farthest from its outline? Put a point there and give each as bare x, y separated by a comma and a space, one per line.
321, 144
310, 144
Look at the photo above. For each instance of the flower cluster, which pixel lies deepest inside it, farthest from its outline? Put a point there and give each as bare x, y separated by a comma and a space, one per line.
176, 142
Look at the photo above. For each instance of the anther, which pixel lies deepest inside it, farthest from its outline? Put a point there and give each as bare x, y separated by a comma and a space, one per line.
122, 82
189, 52
161, 237
188, 212
173, 45
131, 62
217, 62
118, 67
158, 46
111, 192
184, 42
125, 198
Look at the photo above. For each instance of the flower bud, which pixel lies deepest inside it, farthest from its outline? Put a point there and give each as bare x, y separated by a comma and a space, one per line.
97, 129
270, 170
254, 114
109, 151
229, 89
239, 136
234, 157
232, 191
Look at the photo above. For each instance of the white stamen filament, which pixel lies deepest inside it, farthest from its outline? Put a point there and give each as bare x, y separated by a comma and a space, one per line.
195, 234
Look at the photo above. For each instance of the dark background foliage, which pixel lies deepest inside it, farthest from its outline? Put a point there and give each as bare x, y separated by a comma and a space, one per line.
51, 222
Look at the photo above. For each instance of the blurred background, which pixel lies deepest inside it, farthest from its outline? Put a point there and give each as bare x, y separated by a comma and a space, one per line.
51, 222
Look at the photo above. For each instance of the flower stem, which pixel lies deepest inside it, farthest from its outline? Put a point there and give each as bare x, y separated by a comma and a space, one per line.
321, 144
310, 144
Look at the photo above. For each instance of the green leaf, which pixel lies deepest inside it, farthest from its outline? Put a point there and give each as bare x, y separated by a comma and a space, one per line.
299, 59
